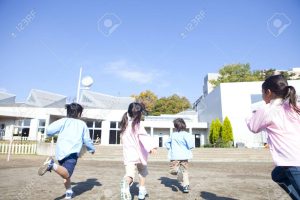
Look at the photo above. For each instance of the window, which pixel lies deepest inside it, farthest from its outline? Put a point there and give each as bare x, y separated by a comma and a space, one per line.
41, 128
95, 130
114, 133
22, 128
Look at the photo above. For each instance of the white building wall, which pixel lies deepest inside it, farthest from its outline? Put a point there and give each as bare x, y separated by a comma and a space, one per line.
211, 107
105, 132
234, 101
236, 105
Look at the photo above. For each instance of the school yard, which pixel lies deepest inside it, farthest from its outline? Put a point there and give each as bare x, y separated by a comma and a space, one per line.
215, 177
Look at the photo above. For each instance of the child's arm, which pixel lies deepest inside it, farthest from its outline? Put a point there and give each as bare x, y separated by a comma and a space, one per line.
168, 143
54, 127
87, 141
190, 141
258, 121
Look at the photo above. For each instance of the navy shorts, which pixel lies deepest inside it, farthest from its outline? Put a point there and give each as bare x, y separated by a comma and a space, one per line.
69, 163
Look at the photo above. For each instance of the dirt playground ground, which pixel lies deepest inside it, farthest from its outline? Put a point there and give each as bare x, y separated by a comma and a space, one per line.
99, 180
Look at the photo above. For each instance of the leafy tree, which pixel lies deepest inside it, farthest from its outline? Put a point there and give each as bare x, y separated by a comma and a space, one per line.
212, 139
226, 133
148, 98
243, 73
171, 105
234, 73
215, 131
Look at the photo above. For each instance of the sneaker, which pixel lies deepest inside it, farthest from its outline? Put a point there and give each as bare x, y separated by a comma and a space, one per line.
47, 166
69, 194
186, 189
142, 194
125, 190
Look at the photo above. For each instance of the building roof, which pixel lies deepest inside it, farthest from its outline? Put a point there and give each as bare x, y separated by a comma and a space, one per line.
6, 98
40, 98
104, 101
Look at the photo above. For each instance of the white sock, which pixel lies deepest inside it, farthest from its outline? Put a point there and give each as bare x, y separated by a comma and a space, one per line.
142, 188
69, 190
55, 166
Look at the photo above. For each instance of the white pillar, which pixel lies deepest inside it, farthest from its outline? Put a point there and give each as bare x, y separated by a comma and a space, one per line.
202, 142
105, 132
151, 131
34, 123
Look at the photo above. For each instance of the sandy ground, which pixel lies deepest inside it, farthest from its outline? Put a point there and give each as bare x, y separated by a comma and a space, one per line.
99, 180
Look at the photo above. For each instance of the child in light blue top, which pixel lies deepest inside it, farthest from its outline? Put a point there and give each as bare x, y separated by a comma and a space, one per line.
72, 134
179, 145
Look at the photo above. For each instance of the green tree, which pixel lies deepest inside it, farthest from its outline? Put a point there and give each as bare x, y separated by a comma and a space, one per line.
148, 98
226, 133
212, 139
234, 73
243, 73
171, 105
215, 131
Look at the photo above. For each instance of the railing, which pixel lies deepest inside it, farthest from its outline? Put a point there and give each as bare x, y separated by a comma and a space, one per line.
18, 148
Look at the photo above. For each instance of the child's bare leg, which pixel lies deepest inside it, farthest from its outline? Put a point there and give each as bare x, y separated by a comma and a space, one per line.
63, 172
142, 181
67, 183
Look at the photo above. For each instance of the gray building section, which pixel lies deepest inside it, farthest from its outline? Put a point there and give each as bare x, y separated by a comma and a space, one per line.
102, 114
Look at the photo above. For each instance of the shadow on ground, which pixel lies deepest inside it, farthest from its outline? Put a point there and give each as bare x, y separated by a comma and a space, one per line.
212, 196
171, 183
82, 187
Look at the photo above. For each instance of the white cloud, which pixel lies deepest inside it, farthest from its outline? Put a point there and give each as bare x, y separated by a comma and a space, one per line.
130, 72
3, 90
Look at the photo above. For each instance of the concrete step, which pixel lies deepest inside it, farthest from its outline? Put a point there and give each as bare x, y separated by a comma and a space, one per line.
199, 154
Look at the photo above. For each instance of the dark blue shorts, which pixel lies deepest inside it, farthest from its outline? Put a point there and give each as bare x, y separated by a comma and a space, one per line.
69, 163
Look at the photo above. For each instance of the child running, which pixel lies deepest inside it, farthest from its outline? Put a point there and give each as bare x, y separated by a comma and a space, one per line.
137, 144
179, 145
280, 118
72, 133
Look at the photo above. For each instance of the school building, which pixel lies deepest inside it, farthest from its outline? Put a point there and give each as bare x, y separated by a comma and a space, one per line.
102, 114
236, 101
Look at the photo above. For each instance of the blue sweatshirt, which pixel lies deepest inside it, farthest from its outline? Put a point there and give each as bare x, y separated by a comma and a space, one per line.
179, 145
72, 133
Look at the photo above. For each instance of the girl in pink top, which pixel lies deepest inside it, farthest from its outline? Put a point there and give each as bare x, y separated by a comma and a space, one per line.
280, 118
137, 144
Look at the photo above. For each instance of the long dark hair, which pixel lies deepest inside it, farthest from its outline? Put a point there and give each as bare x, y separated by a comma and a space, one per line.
135, 111
74, 110
279, 86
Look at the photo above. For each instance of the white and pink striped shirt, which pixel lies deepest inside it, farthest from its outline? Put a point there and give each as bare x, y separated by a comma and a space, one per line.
282, 125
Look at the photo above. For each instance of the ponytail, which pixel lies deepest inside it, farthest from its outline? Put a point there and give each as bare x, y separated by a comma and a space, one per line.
124, 122
291, 94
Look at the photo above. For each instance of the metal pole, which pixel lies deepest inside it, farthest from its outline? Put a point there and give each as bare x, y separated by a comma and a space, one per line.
79, 86
9, 148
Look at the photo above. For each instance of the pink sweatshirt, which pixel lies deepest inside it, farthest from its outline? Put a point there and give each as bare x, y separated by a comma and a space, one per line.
282, 124
136, 145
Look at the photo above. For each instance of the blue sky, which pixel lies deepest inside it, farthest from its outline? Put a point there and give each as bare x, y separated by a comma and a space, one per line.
131, 46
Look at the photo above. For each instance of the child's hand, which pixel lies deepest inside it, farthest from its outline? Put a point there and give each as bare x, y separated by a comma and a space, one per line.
153, 151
